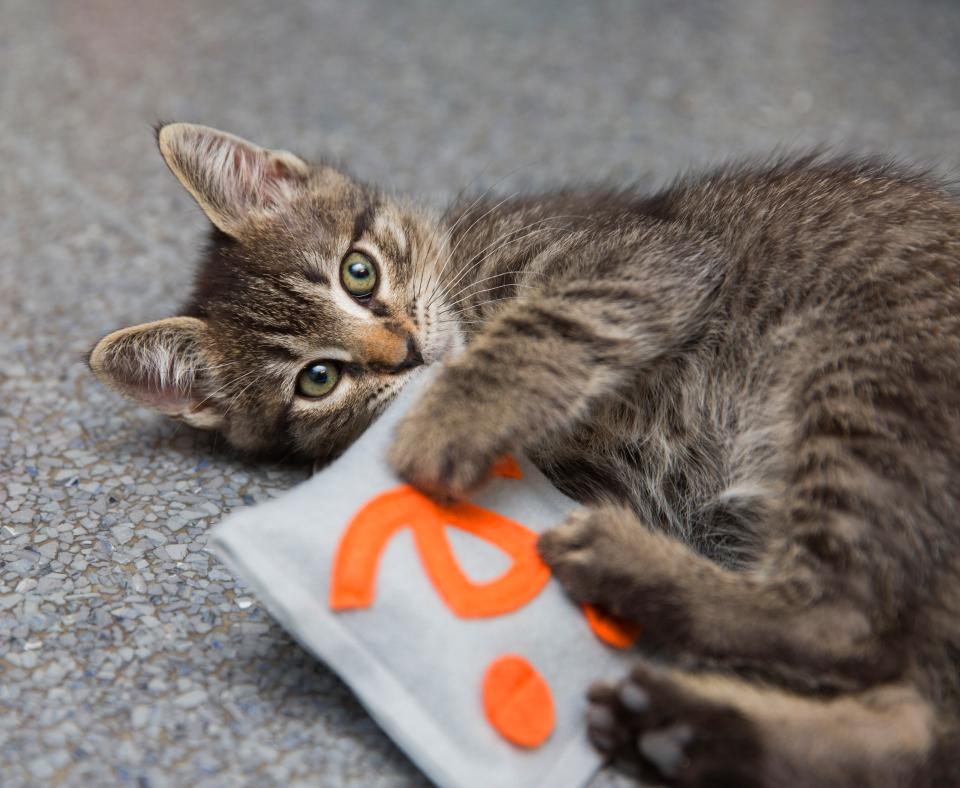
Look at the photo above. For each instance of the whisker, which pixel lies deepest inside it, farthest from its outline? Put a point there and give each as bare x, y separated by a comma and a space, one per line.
448, 233
487, 290
483, 194
492, 301
459, 322
480, 256
213, 367
478, 259
228, 384
438, 239
515, 272
443, 242
474, 224
459, 275
237, 396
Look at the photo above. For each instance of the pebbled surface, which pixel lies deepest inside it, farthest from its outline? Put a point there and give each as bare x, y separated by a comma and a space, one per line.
127, 655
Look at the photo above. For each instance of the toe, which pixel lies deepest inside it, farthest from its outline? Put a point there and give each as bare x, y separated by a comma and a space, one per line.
549, 546
570, 536
602, 727
665, 748
605, 728
601, 692
633, 698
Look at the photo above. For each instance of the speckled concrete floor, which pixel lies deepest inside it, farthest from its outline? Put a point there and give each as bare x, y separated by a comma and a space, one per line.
127, 655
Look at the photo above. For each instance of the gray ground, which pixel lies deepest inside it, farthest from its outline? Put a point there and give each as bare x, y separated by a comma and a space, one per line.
127, 655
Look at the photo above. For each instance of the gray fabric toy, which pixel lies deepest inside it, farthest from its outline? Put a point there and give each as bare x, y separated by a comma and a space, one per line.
465, 652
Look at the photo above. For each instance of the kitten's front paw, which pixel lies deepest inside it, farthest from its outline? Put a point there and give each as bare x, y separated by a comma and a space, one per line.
446, 447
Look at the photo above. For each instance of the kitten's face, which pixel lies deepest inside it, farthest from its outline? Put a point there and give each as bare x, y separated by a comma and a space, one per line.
317, 300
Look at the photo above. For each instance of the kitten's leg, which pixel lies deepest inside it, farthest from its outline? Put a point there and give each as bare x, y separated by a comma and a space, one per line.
698, 729
545, 360
784, 613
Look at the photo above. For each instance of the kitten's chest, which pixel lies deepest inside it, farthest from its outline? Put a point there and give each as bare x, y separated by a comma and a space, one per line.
655, 451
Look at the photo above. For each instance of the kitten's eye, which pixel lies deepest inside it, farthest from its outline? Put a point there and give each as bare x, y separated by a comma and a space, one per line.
358, 274
318, 379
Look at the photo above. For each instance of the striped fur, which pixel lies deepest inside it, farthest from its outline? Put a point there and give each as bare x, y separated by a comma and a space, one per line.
749, 378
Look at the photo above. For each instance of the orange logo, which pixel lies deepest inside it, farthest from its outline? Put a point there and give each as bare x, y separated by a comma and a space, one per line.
513, 691
355, 566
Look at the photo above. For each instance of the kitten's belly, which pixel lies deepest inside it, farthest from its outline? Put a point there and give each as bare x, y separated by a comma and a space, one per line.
661, 488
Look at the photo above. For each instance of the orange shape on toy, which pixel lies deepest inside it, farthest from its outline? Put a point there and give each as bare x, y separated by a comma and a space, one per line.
353, 584
518, 702
613, 631
507, 468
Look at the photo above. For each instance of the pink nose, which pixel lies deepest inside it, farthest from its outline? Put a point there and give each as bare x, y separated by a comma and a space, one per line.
390, 351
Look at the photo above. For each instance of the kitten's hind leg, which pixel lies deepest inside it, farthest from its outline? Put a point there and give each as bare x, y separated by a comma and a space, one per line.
704, 729
786, 619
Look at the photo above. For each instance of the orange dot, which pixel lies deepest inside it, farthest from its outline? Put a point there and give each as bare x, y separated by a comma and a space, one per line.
517, 701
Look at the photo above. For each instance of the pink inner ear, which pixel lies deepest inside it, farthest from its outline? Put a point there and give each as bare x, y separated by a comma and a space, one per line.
277, 169
246, 164
258, 177
168, 398
169, 401
245, 160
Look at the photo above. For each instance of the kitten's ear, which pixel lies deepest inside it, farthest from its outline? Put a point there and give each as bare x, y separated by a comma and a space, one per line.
233, 180
161, 365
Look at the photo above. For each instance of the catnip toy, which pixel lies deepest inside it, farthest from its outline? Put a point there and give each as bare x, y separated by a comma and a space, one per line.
441, 618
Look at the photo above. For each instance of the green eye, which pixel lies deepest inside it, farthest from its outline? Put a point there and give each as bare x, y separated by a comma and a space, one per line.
318, 379
358, 274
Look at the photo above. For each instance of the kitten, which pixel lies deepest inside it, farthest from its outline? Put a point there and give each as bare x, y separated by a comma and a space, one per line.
751, 380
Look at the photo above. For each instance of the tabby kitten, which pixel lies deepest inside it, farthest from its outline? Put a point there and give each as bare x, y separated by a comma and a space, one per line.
751, 380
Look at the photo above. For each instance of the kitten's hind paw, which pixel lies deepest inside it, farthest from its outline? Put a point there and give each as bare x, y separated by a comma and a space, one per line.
651, 724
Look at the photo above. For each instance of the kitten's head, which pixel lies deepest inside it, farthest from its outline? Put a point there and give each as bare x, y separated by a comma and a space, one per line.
315, 301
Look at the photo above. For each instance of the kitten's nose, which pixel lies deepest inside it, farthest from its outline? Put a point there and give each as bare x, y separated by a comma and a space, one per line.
392, 352
413, 359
